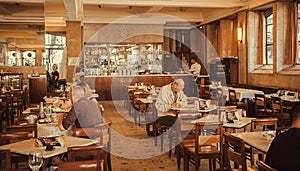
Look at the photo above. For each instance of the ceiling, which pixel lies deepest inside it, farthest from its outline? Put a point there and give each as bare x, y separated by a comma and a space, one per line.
25, 20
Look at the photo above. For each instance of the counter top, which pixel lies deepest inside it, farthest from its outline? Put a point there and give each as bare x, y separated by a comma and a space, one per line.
36, 77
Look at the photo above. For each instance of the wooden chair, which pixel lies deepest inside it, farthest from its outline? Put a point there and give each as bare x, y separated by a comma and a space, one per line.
264, 123
262, 166
234, 152
261, 110
9, 137
204, 92
88, 165
159, 129
6, 108
92, 152
102, 131
5, 156
30, 128
139, 107
207, 144
233, 101
284, 119
17, 100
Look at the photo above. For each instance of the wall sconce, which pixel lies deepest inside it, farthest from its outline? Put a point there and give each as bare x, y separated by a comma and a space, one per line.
240, 34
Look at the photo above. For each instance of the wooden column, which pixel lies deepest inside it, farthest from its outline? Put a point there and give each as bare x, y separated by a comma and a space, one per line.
226, 30
242, 49
73, 35
39, 57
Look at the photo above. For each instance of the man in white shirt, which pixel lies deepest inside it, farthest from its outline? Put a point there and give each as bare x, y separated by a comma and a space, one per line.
195, 67
170, 96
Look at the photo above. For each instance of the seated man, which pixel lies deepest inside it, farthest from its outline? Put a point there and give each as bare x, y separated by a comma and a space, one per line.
285, 148
170, 96
85, 112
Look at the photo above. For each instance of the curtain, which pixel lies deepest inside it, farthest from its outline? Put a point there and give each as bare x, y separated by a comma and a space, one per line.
293, 33
261, 38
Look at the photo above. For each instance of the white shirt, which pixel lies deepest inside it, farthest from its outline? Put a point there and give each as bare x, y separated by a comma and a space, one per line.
195, 69
166, 98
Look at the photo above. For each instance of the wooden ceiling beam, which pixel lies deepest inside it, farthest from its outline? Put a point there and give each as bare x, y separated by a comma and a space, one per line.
170, 3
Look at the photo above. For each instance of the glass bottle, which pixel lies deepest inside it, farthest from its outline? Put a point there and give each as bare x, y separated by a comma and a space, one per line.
42, 113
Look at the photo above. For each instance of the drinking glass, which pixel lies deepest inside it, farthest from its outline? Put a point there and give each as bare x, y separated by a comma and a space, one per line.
48, 113
35, 160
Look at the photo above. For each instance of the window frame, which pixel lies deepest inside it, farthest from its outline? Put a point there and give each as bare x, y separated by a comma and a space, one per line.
267, 45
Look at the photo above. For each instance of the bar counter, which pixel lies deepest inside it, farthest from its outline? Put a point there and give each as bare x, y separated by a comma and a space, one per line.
114, 87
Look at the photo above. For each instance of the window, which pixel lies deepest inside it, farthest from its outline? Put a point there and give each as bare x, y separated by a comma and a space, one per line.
268, 60
55, 48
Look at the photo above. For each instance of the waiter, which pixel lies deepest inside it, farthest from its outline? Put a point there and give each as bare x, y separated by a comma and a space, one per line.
195, 67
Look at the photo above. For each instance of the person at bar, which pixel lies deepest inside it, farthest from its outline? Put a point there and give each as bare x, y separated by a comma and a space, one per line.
285, 148
195, 67
53, 78
157, 66
170, 96
85, 112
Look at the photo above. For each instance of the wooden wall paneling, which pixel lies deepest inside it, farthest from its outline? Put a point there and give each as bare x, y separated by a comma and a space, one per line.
107, 85
37, 89
226, 30
73, 36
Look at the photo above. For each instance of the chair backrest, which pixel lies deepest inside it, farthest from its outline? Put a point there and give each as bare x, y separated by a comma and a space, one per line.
221, 97
260, 101
262, 166
232, 96
30, 128
264, 122
204, 92
101, 131
234, 149
209, 133
5, 155
12, 137
222, 109
92, 152
88, 165
276, 104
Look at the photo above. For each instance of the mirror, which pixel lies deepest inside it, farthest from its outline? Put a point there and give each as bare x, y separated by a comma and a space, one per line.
22, 38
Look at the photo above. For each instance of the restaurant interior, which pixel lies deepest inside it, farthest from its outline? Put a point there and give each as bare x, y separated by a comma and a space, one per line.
126, 52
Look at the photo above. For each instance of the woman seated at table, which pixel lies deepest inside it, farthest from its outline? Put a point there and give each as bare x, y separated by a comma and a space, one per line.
85, 112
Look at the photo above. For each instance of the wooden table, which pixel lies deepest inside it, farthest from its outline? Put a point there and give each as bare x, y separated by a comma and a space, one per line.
257, 140
241, 93
191, 107
291, 99
26, 146
238, 124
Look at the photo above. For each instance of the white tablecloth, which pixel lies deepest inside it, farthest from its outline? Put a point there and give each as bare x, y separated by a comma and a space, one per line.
50, 130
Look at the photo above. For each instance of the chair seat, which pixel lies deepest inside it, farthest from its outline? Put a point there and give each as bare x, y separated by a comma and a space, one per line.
249, 168
204, 150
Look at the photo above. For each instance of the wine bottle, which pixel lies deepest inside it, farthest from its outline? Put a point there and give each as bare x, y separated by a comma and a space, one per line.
42, 113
